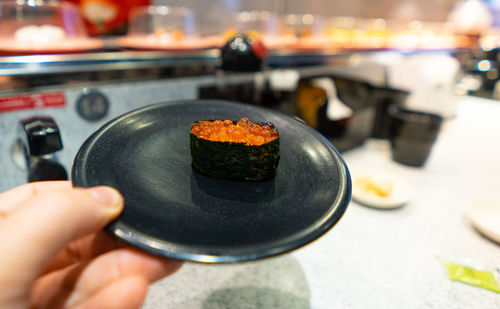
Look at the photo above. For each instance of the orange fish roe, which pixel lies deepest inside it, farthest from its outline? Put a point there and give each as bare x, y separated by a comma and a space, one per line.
244, 131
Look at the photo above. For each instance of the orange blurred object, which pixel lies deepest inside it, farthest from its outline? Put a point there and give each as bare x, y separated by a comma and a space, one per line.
105, 17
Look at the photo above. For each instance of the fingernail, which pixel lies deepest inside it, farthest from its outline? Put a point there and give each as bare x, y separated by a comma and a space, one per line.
105, 195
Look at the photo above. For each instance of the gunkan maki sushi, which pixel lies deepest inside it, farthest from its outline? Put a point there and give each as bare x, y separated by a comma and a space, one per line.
236, 150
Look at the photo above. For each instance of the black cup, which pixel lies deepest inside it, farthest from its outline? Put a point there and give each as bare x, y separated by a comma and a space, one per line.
385, 97
412, 134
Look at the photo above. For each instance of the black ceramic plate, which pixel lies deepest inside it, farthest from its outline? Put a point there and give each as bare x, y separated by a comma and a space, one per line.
173, 211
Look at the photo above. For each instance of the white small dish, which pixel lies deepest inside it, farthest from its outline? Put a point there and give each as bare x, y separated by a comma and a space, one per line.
485, 217
380, 190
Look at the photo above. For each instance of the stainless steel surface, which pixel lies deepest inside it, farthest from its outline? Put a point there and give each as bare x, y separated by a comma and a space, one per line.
131, 60
37, 72
103, 61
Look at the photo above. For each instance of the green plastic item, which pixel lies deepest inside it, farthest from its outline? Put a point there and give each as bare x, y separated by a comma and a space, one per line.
481, 278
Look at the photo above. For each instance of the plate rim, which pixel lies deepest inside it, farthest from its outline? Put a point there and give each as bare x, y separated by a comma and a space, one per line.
365, 199
165, 248
472, 214
135, 43
83, 44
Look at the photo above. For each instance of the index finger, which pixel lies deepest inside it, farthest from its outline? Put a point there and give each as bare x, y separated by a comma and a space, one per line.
12, 198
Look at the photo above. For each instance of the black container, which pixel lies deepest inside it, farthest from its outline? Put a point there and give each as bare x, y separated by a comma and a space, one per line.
412, 134
385, 97
350, 132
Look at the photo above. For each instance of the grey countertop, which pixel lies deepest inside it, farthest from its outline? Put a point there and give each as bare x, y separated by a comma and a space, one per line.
376, 258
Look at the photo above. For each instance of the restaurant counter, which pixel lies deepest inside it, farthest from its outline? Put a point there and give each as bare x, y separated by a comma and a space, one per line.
376, 258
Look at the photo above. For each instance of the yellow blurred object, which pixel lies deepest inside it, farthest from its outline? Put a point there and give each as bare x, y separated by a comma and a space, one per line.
177, 34
174, 34
309, 101
289, 32
306, 33
160, 32
229, 34
253, 34
379, 188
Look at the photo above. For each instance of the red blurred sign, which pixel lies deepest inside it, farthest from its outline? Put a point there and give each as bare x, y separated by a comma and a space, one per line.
31, 101
107, 17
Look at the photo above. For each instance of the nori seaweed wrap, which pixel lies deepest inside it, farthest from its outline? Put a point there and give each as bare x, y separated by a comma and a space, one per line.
236, 150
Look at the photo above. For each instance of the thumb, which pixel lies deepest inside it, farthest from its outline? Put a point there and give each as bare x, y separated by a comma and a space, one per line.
46, 222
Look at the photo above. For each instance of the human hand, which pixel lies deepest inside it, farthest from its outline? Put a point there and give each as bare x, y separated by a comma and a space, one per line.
53, 253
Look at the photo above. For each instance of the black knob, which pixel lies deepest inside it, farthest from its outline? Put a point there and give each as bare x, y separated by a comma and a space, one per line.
243, 53
41, 136
46, 170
